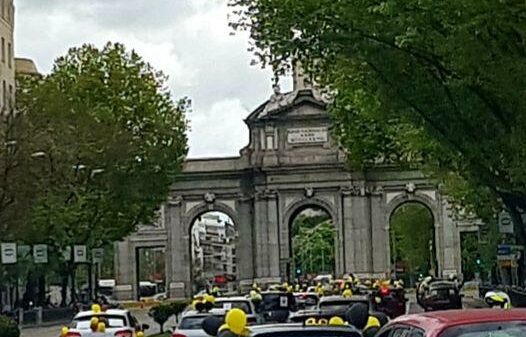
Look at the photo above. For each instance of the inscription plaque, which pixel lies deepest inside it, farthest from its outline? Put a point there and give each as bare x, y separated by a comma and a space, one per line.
307, 135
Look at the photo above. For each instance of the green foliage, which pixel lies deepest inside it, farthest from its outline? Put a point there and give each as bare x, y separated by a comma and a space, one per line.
412, 230
161, 313
433, 85
8, 327
313, 246
178, 307
308, 221
108, 141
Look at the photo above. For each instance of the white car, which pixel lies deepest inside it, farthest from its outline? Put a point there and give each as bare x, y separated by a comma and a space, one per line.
191, 323
119, 323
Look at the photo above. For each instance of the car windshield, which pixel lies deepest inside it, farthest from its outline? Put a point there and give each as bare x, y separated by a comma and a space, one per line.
335, 305
227, 305
193, 322
111, 321
503, 329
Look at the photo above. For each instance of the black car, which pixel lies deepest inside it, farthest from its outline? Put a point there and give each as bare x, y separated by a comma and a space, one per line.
276, 306
441, 295
329, 306
301, 330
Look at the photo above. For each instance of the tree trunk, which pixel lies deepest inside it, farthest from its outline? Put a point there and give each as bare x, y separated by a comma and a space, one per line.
516, 206
64, 290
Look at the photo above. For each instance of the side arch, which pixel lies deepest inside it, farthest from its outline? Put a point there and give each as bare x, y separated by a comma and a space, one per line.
433, 207
403, 198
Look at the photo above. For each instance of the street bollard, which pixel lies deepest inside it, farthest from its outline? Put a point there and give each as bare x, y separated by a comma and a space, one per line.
39, 315
20, 316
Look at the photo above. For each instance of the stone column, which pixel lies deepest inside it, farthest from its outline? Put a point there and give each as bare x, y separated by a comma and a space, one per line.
261, 254
449, 242
348, 231
178, 257
361, 232
380, 235
125, 271
244, 247
273, 235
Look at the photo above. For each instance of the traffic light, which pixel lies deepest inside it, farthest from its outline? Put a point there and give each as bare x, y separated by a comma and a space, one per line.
478, 260
298, 271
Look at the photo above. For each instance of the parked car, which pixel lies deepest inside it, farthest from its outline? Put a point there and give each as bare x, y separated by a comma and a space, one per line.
191, 322
239, 302
459, 323
120, 323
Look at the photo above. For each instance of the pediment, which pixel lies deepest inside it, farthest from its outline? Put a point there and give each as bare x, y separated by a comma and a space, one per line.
294, 105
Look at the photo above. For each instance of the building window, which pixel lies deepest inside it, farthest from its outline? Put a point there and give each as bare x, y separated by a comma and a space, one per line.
3, 8
4, 93
3, 50
9, 54
11, 97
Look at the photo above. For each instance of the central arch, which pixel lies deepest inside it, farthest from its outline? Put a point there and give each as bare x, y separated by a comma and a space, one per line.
318, 206
226, 215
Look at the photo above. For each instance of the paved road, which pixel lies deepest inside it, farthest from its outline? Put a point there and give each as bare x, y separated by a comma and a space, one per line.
54, 331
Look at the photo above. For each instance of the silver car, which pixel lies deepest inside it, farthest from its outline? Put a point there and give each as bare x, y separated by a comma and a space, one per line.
191, 323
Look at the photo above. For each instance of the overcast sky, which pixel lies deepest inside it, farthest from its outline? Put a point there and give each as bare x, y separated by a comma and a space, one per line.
189, 40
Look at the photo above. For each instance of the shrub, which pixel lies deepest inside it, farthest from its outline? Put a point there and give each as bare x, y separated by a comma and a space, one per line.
161, 313
8, 327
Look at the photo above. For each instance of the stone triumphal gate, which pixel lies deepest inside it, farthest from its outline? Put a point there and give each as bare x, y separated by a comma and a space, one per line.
290, 163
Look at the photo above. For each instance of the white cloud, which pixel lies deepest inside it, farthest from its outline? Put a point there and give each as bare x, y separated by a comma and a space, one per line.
189, 40
220, 131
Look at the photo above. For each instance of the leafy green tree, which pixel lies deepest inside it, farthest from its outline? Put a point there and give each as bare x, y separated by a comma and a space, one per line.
178, 307
107, 142
313, 248
427, 84
161, 313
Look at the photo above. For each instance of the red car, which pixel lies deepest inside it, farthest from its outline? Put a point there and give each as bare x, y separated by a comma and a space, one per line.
459, 323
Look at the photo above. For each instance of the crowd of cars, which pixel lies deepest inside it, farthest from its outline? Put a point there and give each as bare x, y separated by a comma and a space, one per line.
282, 313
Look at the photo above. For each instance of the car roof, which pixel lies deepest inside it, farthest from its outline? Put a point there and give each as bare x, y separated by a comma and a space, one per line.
270, 328
105, 312
439, 320
233, 298
195, 313
343, 299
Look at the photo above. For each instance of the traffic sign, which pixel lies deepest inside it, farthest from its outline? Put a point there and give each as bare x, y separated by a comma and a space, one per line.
97, 255
40, 254
505, 223
80, 254
8, 253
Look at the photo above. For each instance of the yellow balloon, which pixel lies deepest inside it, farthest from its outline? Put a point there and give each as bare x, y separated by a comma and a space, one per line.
311, 321
322, 321
140, 334
95, 308
347, 293
372, 321
236, 319
336, 321
210, 298
94, 321
64, 331
101, 327
223, 328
